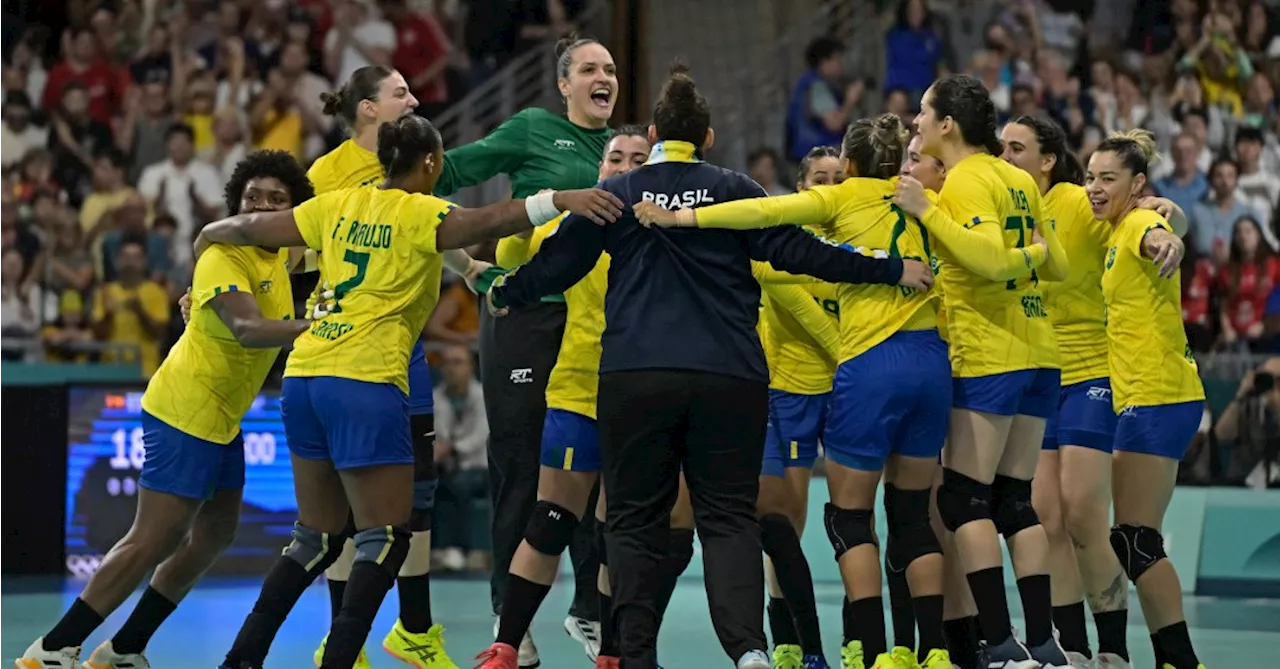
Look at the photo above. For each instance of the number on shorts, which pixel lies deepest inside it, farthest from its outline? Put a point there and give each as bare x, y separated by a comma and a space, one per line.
361, 261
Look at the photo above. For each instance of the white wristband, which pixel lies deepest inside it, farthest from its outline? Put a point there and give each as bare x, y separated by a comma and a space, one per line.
541, 208
310, 260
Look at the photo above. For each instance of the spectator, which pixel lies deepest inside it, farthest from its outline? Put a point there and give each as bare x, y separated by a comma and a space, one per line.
1246, 282
35, 175
188, 188
763, 165
964, 28
462, 430
109, 192
129, 222
16, 236
154, 62
1249, 427
821, 104
68, 338
358, 38
1213, 220
1130, 112
456, 319
1022, 102
83, 64
422, 54
1222, 67
913, 50
898, 102
132, 311
144, 132
1258, 188
1187, 185
988, 68
19, 135
1199, 278
1259, 103
74, 139
68, 266
24, 60
21, 307
288, 108
229, 146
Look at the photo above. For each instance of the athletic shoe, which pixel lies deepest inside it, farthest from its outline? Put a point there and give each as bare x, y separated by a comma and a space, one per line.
1051, 655
528, 652
788, 656
498, 656
585, 632
420, 651
606, 662
813, 662
905, 657
888, 661
37, 657
754, 659
851, 656
362, 660
1009, 655
1079, 661
937, 659
1111, 661
106, 657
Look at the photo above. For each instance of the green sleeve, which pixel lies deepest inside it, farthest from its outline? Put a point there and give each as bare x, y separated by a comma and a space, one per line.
501, 152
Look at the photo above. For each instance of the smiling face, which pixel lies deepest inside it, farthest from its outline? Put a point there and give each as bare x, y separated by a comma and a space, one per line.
623, 154
928, 170
591, 88
1022, 150
1111, 186
929, 128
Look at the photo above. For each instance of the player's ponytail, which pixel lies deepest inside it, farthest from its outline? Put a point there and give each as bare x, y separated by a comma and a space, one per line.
876, 146
682, 113
1135, 148
1053, 141
364, 84
404, 144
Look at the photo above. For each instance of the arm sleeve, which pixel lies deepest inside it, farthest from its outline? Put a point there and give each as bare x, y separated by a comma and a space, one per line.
220, 269
501, 152
798, 251
312, 217
516, 250
809, 207
765, 273
808, 314
1056, 265
430, 211
978, 244
563, 260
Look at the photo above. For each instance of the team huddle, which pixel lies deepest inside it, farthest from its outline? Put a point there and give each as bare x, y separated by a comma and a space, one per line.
976, 321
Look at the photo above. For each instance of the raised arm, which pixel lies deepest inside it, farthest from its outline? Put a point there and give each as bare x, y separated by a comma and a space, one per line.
463, 227
809, 207
798, 251
272, 229
563, 260
765, 273
501, 152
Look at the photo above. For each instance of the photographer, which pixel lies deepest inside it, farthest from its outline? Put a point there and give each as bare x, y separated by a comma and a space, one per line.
1251, 426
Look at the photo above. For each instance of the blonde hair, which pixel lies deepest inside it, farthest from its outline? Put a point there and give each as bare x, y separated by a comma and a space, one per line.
1136, 149
876, 146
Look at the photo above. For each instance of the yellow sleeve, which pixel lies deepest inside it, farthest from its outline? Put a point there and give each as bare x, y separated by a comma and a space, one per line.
1056, 265
516, 250
100, 303
313, 217
429, 211
978, 244
220, 269
156, 303
1147, 220
765, 273
808, 314
814, 206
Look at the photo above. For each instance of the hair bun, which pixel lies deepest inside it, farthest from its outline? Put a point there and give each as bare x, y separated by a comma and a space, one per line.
333, 101
1145, 140
388, 141
565, 43
889, 130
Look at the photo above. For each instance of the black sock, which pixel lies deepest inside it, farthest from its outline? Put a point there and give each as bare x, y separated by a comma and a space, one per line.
679, 554
415, 603
846, 623
366, 589
782, 545
336, 591
993, 607
1069, 620
518, 608
76, 625
1176, 642
608, 633
1112, 627
962, 640
781, 626
928, 610
147, 617
1161, 658
900, 606
868, 618
1037, 609
281, 589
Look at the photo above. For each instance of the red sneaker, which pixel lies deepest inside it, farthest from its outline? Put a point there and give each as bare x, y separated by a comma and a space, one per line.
606, 662
498, 656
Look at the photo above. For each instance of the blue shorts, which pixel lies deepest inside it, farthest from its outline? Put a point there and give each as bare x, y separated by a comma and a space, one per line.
421, 400
795, 424
353, 423
893, 399
1084, 417
186, 466
570, 442
1026, 392
1165, 429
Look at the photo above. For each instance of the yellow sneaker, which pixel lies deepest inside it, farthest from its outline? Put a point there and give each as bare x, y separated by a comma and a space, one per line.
905, 657
937, 659
424, 650
887, 661
851, 656
788, 656
362, 661
1170, 666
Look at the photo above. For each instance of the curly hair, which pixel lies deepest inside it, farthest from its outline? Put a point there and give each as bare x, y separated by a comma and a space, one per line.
276, 164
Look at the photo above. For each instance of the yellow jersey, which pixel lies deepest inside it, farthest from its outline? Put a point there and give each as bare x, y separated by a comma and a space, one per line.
1149, 359
209, 380
347, 166
996, 318
858, 213
799, 330
1075, 305
515, 250
378, 251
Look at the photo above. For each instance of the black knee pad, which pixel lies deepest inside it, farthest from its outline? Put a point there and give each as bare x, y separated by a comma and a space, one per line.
313, 549
847, 528
910, 535
1138, 548
423, 429
551, 527
386, 546
962, 500
600, 545
1011, 500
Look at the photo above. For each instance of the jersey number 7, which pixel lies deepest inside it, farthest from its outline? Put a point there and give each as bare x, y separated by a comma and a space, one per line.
361, 261
1016, 223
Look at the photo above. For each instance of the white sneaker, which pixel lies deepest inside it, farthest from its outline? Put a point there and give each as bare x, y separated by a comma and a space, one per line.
37, 657
1079, 661
452, 559
527, 657
1111, 661
754, 659
586, 633
106, 657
